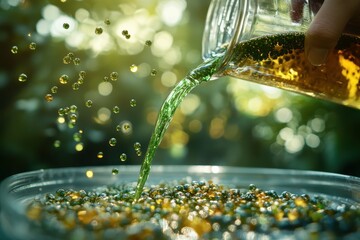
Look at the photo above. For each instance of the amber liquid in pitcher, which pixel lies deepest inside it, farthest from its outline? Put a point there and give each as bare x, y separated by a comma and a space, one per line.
279, 60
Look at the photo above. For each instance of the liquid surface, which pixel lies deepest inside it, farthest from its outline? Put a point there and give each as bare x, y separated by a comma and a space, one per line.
191, 210
280, 61
201, 74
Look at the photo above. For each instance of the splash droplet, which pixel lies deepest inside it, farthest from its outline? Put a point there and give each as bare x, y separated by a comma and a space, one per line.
114, 76
98, 30
88, 103
32, 46
64, 79
153, 72
54, 89
115, 171
49, 97
133, 68
14, 49
107, 21
22, 77
116, 109
76, 61
123, 157
100, 155
112, 142
148, 43
66, 26
133, 103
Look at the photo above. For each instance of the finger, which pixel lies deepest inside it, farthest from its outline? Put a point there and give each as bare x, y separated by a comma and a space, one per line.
326, 28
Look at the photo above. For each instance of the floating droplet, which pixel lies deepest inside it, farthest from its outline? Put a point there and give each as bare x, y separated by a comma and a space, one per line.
133, 103
89, 174
126, 127
14, 49
116, 109
57, 143
114, 76
67, 60
115, 171
64, 79
79, 147
66, 25
107, 21
73, 118
77, 136
98, 30
127, 36
106, 79
49, 97
133, 68
123, 157
148, 43
80, 80
112, 142
61, 112
76, 61
82, 74
32, 46
153, 72
22, 77
71, 55
88, 103
125, 32
54, 89
138, 153
73, 108
118, 128
100, 155
75, 86
66, 110
137, 146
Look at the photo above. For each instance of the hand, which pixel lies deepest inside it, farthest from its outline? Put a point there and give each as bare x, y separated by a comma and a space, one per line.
333, 18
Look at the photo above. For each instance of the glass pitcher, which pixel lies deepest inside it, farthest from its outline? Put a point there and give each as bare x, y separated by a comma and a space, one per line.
263, 41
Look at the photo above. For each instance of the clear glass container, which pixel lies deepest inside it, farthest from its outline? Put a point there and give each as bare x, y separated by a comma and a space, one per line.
19, 190
263, 41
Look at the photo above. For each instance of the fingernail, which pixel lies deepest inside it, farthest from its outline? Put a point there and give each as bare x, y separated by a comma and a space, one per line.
317, 56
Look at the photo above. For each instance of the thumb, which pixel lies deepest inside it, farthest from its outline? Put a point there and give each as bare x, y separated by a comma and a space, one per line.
326, 28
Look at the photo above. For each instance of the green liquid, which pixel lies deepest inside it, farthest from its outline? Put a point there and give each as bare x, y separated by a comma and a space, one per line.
201, 74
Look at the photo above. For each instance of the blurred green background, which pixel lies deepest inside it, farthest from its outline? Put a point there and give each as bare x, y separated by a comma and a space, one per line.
224, 122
